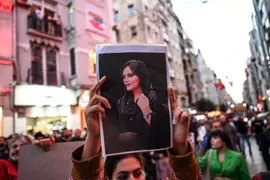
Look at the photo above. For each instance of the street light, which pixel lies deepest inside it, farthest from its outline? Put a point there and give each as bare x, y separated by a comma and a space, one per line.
232, 106
245, 104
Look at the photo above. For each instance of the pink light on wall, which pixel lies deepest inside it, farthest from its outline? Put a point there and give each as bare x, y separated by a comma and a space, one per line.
6, 5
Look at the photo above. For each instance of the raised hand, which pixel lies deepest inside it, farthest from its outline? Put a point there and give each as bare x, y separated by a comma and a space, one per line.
93, 109
181, 122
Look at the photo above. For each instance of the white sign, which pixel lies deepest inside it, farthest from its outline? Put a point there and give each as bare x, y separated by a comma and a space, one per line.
38, 95
55, 164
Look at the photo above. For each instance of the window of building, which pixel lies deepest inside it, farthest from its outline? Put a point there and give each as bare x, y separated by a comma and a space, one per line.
72, 61
145, 8
133, 31
117, 34
116, 16
92, 57
51, 65
70, 15
148, 30
131, 10
36, 65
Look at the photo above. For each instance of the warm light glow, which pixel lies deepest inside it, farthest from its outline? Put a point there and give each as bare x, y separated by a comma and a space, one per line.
6, 5
246, 119
245, 105
232, 106
92, 57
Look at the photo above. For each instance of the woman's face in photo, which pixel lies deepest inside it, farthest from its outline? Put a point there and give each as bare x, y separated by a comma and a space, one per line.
216, 142
128, 169
130, 80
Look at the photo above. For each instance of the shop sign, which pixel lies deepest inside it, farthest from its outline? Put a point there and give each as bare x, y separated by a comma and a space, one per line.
6, 5
38, 95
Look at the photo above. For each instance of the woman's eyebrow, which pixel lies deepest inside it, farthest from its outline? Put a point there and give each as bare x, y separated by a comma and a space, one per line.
127, 172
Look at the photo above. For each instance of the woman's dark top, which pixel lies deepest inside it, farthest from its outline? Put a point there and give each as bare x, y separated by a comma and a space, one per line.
131, 120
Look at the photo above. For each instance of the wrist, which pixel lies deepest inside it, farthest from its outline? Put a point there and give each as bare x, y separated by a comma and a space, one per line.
181, 148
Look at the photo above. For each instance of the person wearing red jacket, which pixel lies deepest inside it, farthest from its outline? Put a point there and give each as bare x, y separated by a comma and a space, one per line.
9, 167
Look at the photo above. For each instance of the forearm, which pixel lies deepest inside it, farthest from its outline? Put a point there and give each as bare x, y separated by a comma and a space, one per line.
92, 146
181, 148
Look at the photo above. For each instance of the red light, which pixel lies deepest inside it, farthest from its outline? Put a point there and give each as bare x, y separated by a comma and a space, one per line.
5, 90
5, 62
6, 5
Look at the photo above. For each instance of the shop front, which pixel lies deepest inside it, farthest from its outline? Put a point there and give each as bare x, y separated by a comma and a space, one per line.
44, 108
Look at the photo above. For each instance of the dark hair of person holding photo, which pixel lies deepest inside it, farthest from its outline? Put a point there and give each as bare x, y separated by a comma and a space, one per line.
136, 108
87, 159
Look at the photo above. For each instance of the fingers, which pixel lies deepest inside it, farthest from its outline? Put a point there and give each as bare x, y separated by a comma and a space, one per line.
180, 116
184, 117
95, 109
172, 97
99, 99
176, 115
96, 88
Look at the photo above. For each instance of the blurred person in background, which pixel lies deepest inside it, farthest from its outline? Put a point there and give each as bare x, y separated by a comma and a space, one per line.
257, 127
77, 136
243, 128
265, 144
201, 132
3, 148
9, 167
229, 129
56, 135
222, 162
206, 144
67, 135
39, 136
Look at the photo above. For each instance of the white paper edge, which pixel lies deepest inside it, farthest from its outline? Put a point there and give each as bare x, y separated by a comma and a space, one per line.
139, 48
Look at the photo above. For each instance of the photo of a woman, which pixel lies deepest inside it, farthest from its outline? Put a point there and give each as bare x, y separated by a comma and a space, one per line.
137, 107
136, 87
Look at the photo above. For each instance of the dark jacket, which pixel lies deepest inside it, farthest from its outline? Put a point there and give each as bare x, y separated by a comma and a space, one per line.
130, 119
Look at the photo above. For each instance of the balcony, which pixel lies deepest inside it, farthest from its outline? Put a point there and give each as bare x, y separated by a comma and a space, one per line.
44, 28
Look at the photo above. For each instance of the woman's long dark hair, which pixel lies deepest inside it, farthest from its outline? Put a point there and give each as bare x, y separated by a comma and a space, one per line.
140, 70
223, 136
112, 161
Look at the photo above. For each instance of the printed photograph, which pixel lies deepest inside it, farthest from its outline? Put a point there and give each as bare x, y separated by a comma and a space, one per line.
136, 88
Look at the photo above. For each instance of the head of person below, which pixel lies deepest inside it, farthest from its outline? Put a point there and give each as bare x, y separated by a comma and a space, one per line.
9, 168
224, 163
87, 159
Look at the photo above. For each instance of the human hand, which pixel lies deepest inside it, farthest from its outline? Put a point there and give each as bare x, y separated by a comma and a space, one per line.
46, 144
94, 107
181, 122
143, 103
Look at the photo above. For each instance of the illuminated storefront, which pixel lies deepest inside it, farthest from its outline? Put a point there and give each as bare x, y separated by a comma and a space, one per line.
46, 108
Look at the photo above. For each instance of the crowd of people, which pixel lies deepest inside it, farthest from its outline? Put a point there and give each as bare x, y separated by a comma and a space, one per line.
219, 147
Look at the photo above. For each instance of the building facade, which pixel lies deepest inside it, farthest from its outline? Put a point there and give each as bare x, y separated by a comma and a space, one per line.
208, 80
155, 22
54, 64
192, 75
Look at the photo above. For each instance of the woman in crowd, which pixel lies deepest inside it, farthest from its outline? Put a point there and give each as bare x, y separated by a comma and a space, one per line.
87, 159
221, 162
